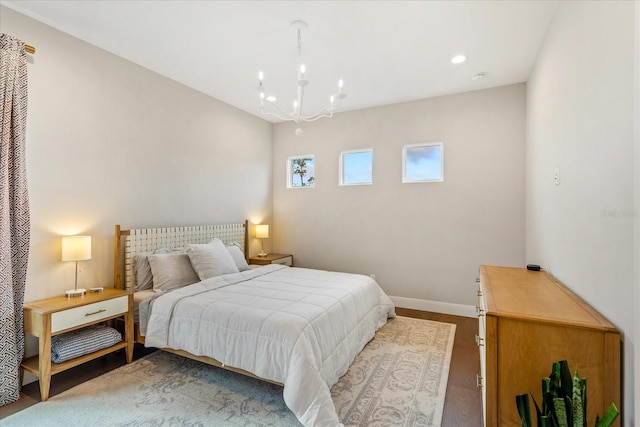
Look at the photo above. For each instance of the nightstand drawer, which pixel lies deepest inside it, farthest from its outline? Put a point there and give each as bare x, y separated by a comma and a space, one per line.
284, 261
74, 317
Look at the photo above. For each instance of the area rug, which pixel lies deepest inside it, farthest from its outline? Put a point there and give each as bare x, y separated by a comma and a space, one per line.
399, 379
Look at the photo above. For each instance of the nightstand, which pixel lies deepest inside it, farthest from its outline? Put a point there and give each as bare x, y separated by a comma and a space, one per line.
52, 316
284, 259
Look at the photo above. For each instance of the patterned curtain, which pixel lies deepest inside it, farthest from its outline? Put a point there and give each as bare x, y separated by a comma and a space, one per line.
14, 213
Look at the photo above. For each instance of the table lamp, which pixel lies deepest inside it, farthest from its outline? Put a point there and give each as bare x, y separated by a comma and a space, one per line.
262, 232
76, 248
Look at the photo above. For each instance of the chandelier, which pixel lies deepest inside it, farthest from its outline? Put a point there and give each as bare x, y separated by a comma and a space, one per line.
268, 104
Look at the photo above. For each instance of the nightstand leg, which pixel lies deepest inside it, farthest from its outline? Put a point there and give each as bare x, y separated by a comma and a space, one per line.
44, 368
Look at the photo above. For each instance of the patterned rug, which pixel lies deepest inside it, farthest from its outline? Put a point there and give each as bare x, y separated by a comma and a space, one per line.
399, 379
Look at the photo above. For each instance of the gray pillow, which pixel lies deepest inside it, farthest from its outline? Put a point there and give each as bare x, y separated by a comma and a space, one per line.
142, 269
211, 259
238, 257
171, 271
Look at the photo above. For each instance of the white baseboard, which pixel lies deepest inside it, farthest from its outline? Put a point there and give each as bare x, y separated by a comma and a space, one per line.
435, 306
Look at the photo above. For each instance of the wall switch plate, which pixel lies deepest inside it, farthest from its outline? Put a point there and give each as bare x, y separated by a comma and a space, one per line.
556, 176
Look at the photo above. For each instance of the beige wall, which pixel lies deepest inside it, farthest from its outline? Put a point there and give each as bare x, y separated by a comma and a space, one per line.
109, 142
424, 242
580, 118
636, 169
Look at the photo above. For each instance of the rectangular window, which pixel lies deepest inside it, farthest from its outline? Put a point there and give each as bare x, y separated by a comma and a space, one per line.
301, 171
356, 167
422, 163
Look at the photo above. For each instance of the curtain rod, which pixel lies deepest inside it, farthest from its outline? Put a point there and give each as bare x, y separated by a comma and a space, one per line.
29, 49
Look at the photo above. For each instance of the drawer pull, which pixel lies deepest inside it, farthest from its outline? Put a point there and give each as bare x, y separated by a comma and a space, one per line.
479, 381
479, 341
96, 312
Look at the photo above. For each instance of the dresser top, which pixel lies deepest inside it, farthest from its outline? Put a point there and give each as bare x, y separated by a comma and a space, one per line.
536, 295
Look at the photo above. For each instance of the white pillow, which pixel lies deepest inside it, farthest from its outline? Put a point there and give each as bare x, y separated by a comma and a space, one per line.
171, 271
238, 257
210, 260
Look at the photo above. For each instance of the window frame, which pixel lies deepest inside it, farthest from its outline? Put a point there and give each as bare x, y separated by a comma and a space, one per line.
341, 182
290, 174
407, 147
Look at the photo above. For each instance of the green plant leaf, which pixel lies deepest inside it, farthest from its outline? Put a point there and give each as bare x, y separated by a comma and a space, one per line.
546, 393
577, 409
554, 379
583, 383
547, 398
569, 410
561, 411
539, 414
566, 383
546, 421
609, 416
524, 410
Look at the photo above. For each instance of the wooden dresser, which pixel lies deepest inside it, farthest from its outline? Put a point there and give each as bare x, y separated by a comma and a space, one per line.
528, 320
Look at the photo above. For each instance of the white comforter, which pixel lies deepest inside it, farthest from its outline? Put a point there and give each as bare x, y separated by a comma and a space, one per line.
296, 326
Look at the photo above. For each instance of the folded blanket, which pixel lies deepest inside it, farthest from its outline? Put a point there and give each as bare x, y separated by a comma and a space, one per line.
83, 341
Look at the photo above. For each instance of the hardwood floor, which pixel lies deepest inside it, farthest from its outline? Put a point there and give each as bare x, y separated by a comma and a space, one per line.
462, 406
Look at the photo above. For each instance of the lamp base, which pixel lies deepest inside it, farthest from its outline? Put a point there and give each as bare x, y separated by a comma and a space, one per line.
75, 293
262, 254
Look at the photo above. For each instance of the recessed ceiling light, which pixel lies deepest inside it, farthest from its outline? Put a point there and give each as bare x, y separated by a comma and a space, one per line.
458, 59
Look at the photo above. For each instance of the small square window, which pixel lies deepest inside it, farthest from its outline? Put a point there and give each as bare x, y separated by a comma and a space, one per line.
356, 167
301, 171
422, 163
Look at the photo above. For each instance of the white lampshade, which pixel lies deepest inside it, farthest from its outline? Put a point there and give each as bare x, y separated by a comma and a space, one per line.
262, 231
76, 248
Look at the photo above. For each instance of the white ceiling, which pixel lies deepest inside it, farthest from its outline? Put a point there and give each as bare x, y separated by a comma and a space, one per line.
386, 51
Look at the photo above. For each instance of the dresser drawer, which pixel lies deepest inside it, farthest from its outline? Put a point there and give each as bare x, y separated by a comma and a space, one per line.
284, 261
89, 313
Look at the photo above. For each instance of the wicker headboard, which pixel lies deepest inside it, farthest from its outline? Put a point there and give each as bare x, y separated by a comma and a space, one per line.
129, 242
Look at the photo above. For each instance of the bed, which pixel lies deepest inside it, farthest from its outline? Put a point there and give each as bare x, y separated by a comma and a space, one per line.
300, 328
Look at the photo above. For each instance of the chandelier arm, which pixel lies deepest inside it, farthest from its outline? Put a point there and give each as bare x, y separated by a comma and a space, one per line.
328, 114
324, 112
283, 113
275, 114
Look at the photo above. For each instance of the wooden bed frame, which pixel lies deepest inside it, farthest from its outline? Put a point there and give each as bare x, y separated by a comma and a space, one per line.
129, 242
